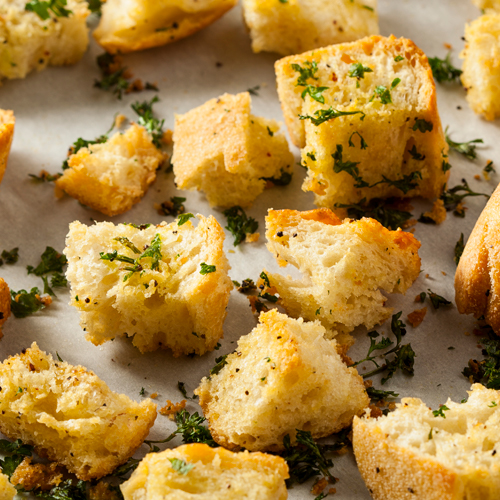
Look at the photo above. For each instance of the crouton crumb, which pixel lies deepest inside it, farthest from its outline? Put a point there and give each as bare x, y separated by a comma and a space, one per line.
172, 408
416, 317
37, 476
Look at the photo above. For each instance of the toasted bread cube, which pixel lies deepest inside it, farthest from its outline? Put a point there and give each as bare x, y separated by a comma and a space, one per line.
4, 304
7, 122
451, 453
113, 176
488, 6
172, 301
481, 68
284, 376
294, 26
208, 473
392, 130
27, 42
226, 152
345, 265
69, 414
129, 25
7, 491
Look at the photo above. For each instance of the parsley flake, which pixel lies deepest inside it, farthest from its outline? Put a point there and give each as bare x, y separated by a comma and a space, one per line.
184, 218
41, 8
468, 148
180, 465
443, 70
239, 224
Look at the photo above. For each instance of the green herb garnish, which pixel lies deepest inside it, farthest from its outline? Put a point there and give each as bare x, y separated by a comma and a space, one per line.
440, 412
180, 465
206, 268
25, 303
41, 8
146, 119
324, 115
468, 148
437, 301
184, 218
9, 257
422, 125
443, 70
239, 224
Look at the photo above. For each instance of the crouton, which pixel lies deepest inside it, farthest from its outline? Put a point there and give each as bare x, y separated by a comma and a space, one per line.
69, 415
365, 114
113, 176
488, 6
295, 26
477, 279
345, 265
481, 68
131, 25
7, 491
166, 286
226, 152
284, 376
417, 453
4, 304
28, 42
7, 122
198, 471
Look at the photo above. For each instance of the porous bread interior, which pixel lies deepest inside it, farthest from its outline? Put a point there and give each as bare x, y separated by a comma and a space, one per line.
297, 25
27, 42
217, 474
465, 441
223, 150
344, 267
129, 25
283, 376
173, 307
111, 177
70, 415
387, 129
7, 491
481, 67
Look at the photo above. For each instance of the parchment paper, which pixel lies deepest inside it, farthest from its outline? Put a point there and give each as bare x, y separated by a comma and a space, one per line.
55, 107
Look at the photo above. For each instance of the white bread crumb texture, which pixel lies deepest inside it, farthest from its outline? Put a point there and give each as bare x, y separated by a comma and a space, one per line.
27, 42
214, 474
451, 452
295, 26
223, 150
345, 267
170, 304
70, 415
283, 376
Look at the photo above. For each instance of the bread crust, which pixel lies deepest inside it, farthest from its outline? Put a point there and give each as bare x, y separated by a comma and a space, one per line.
7, 491
7, 123
115, 38
477, 279
4, 304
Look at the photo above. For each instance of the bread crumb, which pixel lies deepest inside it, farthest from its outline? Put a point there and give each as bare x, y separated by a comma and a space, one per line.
256, 305
409, 223
167, 137
319, 486
154, 395
252, 238
375, 412
438, 212
427, 275
477, 177
416, 317
120, 120
231, 251
447, 46
37, 476
172, 408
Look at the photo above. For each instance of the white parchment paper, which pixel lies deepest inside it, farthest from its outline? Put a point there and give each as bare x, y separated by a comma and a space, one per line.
55, 107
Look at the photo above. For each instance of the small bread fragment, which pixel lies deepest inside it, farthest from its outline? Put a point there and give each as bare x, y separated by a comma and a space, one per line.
345, 265
7, 122
413, 453
70, 415
196, 471
4, 304
295, 26
7, 491
477, 280
284, 376
488, 6
481, 68
374, 130
177, 296
129, 25
113, 176
27, 42
223, 150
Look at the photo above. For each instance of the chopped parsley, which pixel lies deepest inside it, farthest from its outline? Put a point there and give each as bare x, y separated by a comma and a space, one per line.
404, 355
182, 386
254, 90
146, 119
380, 210
307, 72
95, 6
383, 93
443, 70
184, 218
79, 144
422, 125
25, 303
181, 466
324, 115
142, 392
220, 363
489, 168
245, 286
398, 58
468, 148
459, 248
362, 145
487, 371
9, 257
173, 207
415, 154
379, 395
440, 412
41, 8
283, 180
357, 70
437, 301
239, 224
206, 268
454, 196
52, 261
